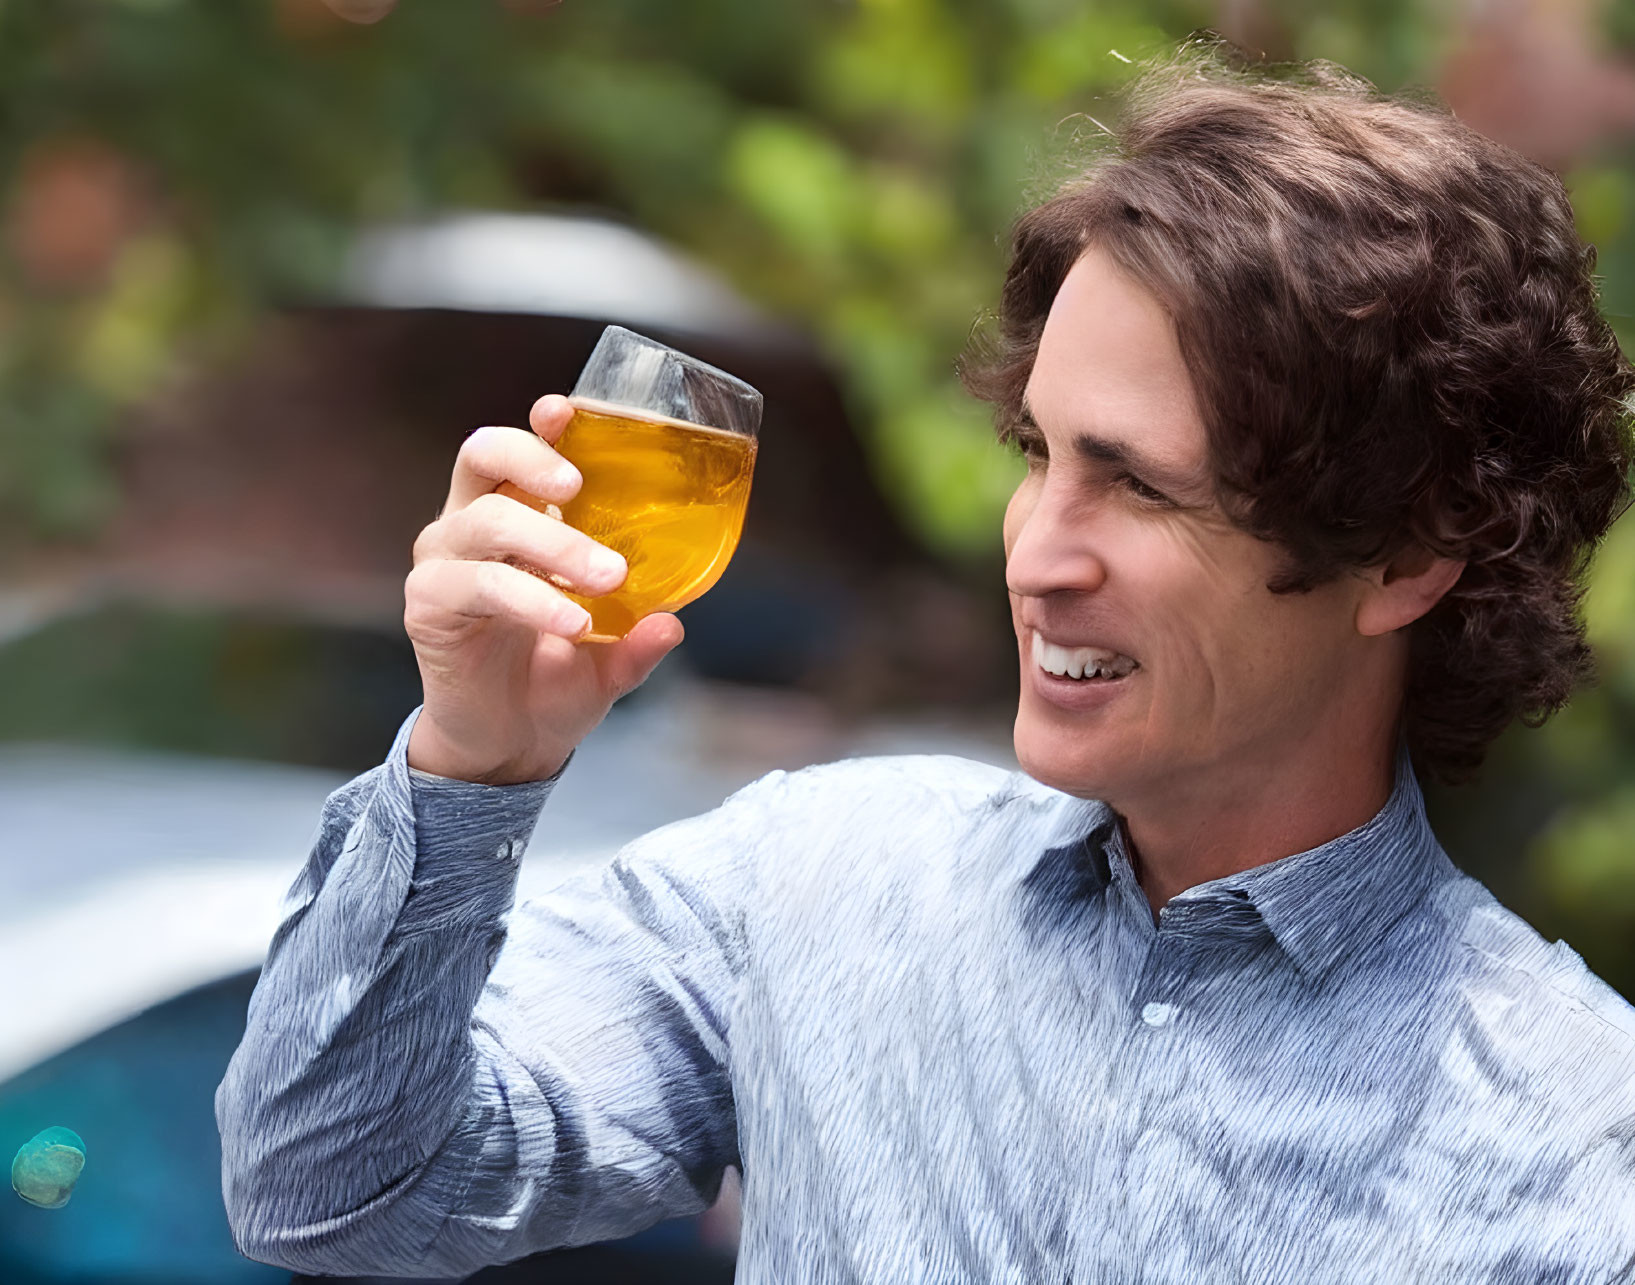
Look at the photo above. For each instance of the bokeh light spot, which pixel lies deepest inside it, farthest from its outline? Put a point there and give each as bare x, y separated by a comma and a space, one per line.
47, 1166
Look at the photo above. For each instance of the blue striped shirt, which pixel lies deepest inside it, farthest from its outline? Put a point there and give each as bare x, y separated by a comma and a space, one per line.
926, 1007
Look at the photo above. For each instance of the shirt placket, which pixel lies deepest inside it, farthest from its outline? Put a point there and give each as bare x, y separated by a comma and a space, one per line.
1156, 1011
1149, 1065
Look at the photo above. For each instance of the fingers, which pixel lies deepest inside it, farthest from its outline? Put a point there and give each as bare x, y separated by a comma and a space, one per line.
442, 598
627, 663
494, 455
496, 528
549, 416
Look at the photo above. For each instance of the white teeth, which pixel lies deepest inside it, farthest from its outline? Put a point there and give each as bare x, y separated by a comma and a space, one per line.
1079, 662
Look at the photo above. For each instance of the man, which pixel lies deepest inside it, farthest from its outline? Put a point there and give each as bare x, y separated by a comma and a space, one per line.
1321, 424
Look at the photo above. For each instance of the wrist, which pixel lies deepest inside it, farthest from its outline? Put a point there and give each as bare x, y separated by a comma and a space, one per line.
431, 752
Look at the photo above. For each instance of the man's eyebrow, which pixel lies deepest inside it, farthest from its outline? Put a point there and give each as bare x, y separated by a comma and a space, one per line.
1120, 454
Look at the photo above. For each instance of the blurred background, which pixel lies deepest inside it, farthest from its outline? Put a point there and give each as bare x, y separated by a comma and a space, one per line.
264, 264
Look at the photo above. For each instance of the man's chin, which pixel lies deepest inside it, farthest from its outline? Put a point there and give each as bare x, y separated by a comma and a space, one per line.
1064, 763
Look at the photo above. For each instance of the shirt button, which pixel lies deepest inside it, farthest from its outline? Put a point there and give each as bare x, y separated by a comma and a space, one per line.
1157, 1014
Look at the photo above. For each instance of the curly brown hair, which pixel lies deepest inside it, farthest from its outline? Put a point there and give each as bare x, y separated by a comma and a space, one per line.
1393, 329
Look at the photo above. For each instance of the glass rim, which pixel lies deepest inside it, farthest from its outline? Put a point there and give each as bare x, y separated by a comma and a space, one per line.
636, 374
625, 409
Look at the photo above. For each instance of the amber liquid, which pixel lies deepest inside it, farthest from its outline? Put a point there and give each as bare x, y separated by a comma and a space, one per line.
668, 496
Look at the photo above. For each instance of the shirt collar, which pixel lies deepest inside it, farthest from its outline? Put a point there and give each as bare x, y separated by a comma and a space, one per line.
1323, 904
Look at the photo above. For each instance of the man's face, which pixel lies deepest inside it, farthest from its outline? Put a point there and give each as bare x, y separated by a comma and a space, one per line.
1114, 543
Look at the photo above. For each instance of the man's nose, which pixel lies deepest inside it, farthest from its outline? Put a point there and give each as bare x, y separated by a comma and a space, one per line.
1056, 548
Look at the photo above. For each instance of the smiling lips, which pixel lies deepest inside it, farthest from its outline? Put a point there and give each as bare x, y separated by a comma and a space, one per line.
1080, 662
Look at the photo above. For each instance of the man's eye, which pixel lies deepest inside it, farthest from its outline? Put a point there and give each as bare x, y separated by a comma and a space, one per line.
1136, 487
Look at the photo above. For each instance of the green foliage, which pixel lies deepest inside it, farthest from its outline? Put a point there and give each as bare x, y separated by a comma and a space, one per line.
852, 164
1579, 873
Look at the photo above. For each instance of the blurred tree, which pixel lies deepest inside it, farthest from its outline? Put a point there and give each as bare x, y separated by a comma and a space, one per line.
172, 167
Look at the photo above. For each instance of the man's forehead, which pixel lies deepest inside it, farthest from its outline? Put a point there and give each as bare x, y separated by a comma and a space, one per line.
1109, 363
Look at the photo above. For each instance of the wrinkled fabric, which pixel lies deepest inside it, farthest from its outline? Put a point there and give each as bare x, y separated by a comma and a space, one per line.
924, 1005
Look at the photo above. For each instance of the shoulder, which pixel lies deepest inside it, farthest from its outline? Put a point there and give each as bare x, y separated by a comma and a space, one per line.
944, 784
1504, 950
818, 815
918, 818
1535, 1004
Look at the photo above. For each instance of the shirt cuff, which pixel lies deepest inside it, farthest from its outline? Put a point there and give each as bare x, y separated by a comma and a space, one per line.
458, 821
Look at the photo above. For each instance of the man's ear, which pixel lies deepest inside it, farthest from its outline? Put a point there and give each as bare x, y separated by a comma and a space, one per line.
1400, 591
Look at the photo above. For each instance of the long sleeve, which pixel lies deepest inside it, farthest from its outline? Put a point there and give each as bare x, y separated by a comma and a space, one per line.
430, 1082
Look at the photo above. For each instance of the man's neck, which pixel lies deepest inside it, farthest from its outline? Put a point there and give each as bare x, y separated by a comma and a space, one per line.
1254, 814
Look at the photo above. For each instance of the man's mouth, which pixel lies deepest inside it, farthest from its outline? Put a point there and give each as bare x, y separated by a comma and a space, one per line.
1085, 664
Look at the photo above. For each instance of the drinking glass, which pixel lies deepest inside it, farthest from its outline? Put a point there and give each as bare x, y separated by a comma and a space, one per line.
666, 447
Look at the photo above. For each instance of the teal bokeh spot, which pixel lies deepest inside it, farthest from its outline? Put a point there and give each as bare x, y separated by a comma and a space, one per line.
47, 1167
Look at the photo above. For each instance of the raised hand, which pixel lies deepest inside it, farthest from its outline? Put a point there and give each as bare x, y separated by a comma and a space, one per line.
508, 691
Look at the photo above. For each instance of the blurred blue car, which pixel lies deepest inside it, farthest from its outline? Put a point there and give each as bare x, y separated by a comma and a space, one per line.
161, 775
138, 891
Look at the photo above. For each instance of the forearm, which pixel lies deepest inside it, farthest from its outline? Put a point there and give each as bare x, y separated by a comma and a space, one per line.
357, 1063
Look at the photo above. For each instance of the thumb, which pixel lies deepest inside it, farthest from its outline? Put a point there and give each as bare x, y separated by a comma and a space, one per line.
634, 657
